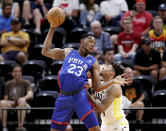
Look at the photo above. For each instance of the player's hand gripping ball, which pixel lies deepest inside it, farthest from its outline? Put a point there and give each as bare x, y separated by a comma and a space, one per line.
56, 16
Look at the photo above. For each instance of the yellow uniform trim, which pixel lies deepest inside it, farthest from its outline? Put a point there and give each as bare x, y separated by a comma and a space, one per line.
162, 36
117, 108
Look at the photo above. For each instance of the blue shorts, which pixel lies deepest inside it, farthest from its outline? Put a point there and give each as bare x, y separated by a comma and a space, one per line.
65, 107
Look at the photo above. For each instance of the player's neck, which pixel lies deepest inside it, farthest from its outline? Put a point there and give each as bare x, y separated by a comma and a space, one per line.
107, 79
107, 63
83, 52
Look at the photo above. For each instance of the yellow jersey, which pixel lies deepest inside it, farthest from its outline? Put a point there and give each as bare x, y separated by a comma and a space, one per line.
114, 112
158, 42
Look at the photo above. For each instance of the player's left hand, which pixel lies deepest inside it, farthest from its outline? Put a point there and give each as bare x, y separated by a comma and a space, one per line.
121, 80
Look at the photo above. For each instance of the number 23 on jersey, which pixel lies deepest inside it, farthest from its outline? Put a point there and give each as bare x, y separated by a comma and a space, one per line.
77, 70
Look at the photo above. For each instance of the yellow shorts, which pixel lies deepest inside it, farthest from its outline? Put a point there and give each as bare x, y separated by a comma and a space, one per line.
121, 125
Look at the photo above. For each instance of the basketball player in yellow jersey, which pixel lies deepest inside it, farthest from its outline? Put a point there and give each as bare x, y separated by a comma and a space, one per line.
109, 101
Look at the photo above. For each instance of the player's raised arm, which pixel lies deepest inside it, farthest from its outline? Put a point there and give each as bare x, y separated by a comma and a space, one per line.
54, 53
96, 82
55, 16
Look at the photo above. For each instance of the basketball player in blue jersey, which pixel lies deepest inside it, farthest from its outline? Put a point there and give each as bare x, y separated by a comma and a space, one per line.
109, 101
72, 79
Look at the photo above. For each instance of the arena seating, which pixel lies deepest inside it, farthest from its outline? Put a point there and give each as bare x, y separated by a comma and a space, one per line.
35, 68
6, 68
147, 83
48, 83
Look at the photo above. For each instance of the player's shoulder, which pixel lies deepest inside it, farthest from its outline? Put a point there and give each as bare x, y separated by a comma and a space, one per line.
115, 90
96, 65
67, 51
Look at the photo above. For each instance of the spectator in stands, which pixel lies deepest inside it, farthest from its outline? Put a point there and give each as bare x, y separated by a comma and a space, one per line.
112, 11
71, 7
108, 56
158, 35
36, 11
128, 41
147, 60
102, 38
88, 12
141, 19
15, 43
15, 8
5, 18
134, 92
17, 92
162, 12
163, 66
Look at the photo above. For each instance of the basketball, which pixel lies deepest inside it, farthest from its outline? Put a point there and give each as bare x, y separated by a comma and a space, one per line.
56, 16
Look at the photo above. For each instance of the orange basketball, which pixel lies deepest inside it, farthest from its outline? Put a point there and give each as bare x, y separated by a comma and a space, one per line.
56, 16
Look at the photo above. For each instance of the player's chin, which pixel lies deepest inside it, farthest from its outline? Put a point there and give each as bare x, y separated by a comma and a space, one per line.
90, 50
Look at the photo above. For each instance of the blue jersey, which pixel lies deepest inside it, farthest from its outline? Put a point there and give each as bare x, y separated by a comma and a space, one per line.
73, 74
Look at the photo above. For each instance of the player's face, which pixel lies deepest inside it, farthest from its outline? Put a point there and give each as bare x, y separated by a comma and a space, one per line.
107, 71
89, 43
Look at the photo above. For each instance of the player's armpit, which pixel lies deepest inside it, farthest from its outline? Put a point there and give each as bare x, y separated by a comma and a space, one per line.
67, 51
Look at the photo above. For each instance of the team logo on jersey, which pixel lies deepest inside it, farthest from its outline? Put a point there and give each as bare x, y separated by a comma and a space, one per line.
83, 94
89, 61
